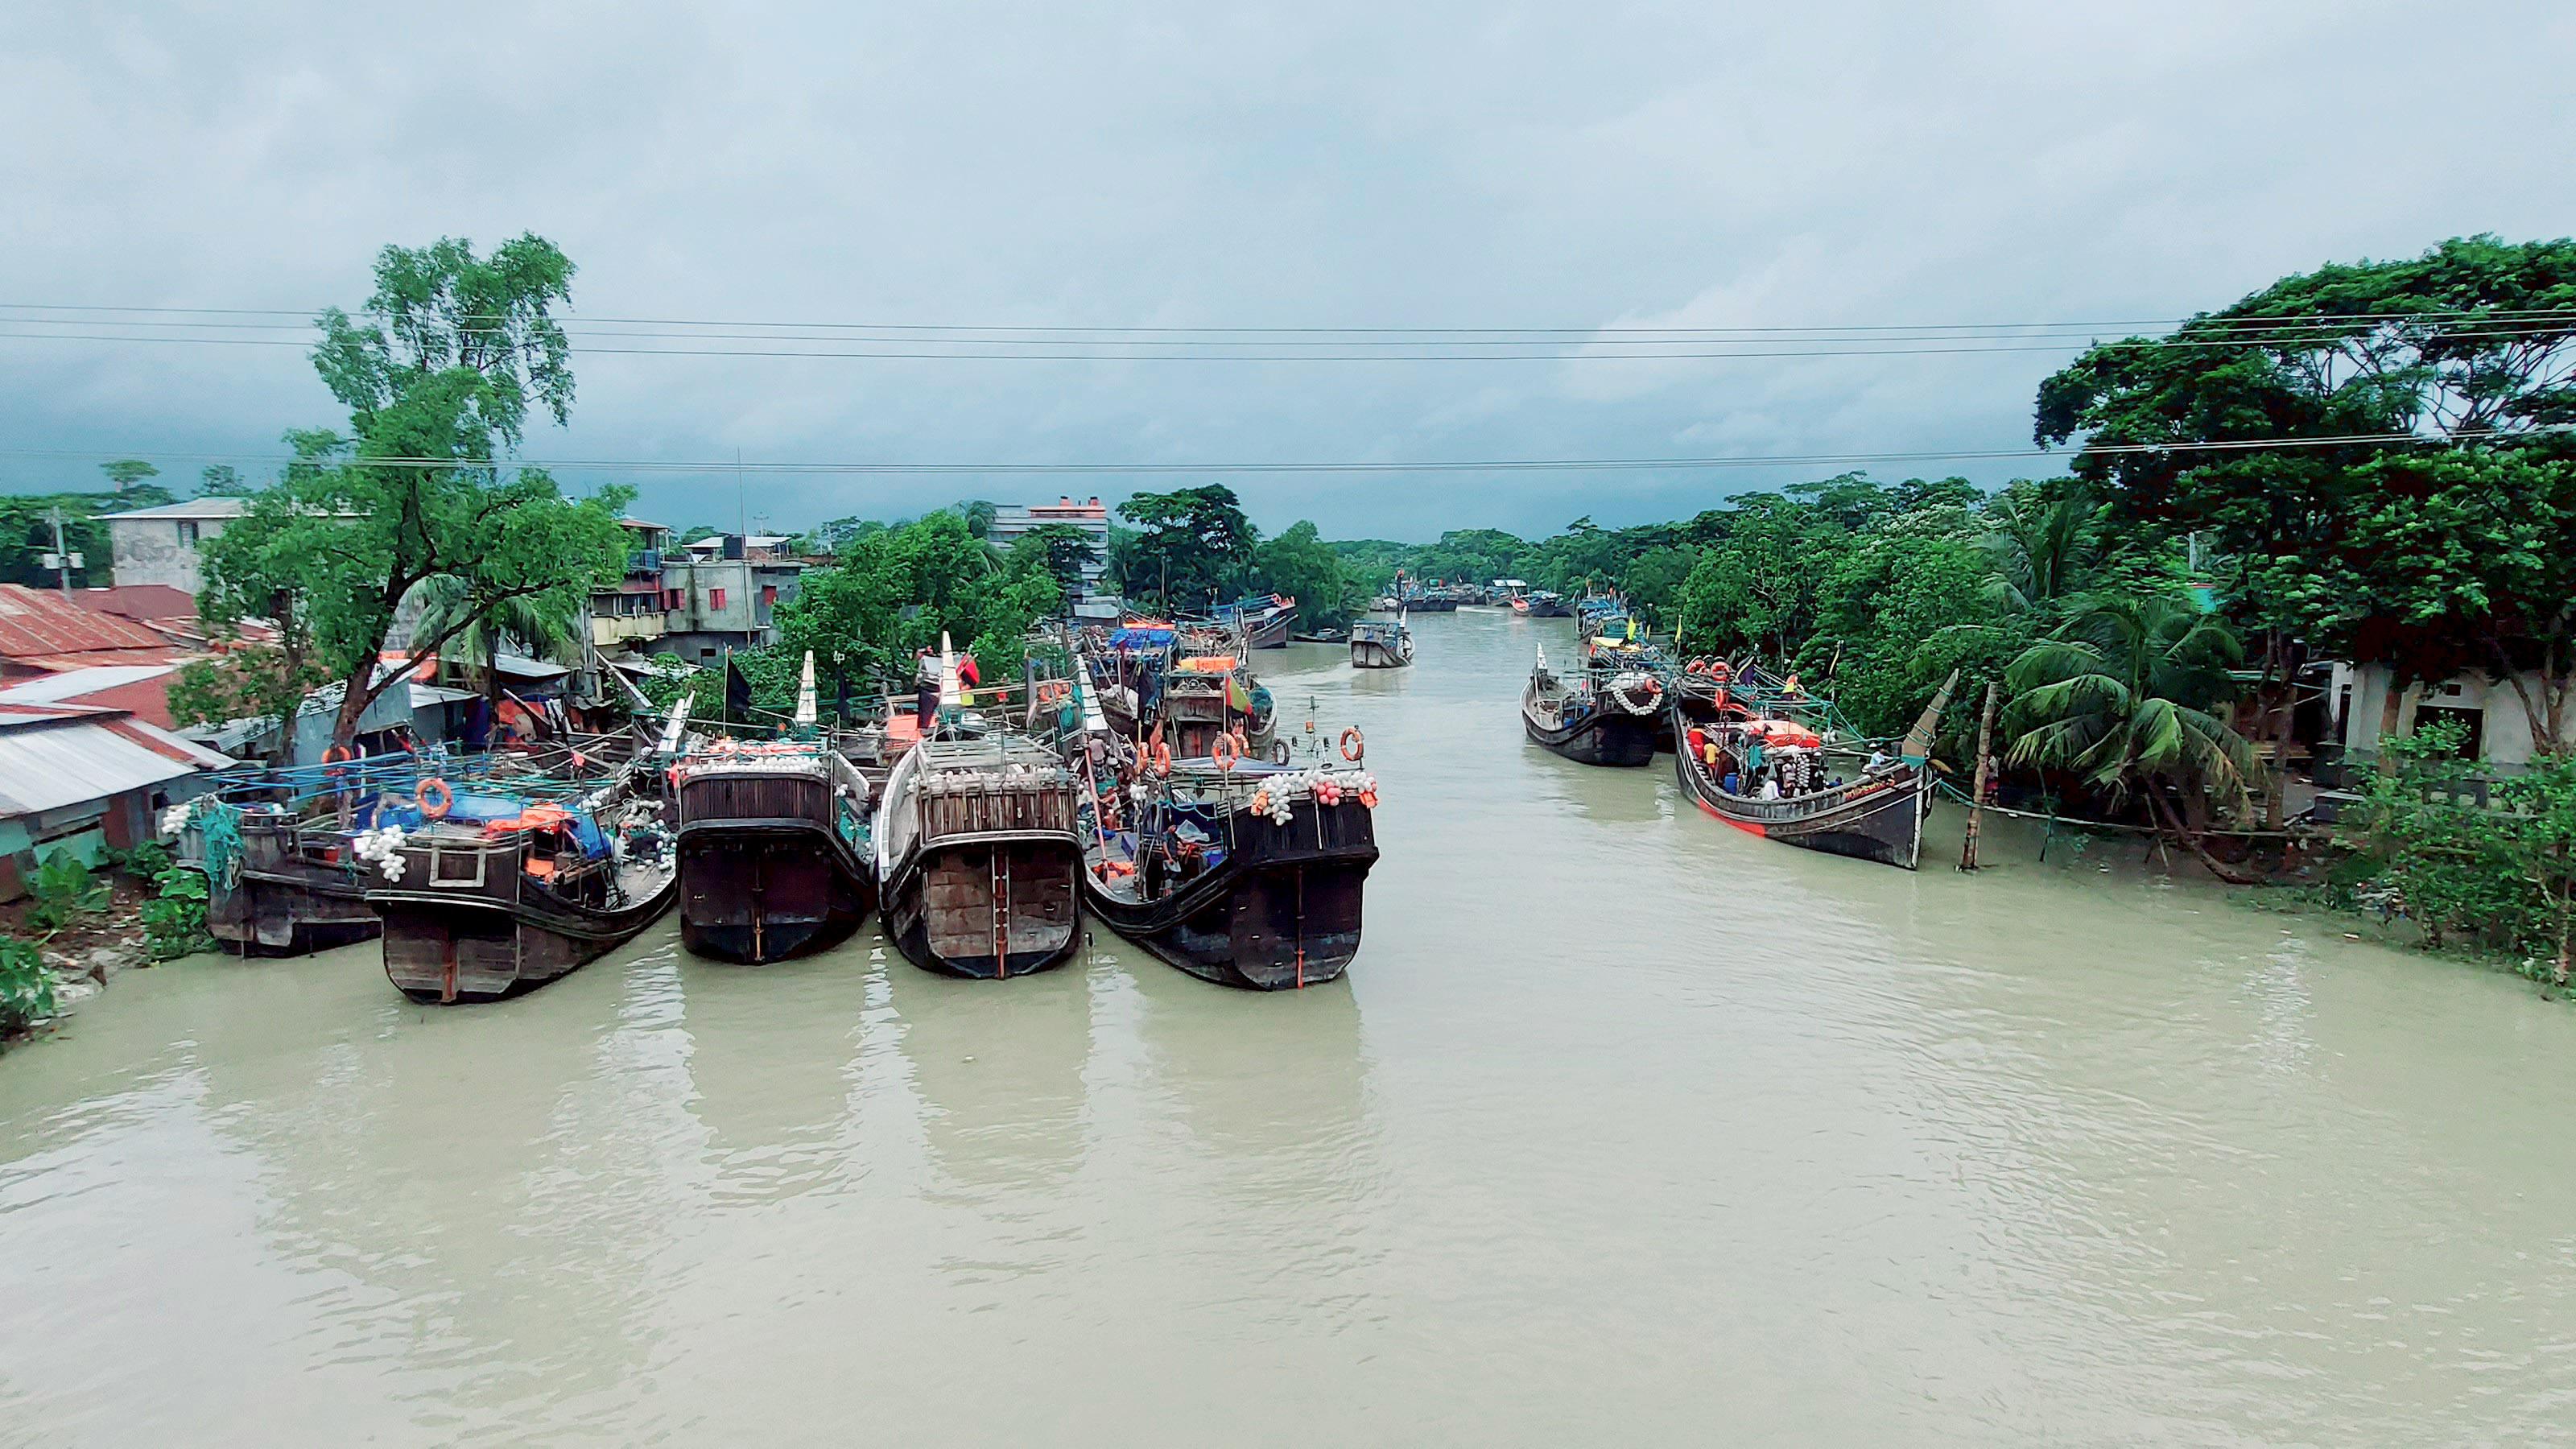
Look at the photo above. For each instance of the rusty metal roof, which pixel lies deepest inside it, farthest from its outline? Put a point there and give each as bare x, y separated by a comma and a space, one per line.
38, 622
57, 755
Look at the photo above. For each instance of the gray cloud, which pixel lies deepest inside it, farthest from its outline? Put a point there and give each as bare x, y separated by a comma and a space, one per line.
1446, 165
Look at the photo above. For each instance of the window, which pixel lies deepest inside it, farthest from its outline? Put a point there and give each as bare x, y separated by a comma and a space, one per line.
768, 595
670, 598
188, 533
715, 598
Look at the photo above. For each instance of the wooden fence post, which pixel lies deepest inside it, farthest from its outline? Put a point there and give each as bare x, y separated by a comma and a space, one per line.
1985, 751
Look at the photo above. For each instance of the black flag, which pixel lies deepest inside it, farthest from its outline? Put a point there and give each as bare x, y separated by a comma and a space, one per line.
737, 692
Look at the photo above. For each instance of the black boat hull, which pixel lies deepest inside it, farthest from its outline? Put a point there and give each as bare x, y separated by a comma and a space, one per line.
938, 910
464, 949
1281, 914
276, 915
756, 891
1619, 741
1881, 822
1271, 633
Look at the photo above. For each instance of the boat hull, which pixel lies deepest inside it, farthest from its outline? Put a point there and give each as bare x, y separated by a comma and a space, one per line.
1369, 654
1281, 914
1619, 741
1882, 822
987, 910
445, 949
277, 915
1270, 633
755, 891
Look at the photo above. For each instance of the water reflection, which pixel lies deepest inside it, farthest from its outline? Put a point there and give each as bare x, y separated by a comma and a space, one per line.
998, 1067
774, 1062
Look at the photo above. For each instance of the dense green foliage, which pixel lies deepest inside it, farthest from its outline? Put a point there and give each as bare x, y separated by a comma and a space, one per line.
1194, 549
27, 533
2501, 877
26, 986
63, 890
439, 377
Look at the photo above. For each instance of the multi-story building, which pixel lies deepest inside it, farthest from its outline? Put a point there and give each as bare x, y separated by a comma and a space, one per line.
1012, 522
718, 599
159, 545
632, 615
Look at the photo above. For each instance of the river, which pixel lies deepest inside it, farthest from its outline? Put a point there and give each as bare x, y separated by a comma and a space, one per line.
1626, 1128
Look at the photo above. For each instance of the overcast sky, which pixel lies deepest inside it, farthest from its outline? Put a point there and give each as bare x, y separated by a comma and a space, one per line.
1201, 165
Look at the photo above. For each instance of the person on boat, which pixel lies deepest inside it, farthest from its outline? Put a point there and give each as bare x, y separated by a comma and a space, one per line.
925, 688
1770, 789
1878, 761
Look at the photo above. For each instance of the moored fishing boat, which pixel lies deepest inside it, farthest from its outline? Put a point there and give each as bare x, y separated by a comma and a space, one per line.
1263, 621
1375, 645
486, 892
1599, 718
1240, 873
1543, 604
977, 857
774, 855
1768, 777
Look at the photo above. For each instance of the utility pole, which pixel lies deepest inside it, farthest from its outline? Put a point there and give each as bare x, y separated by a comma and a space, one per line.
62, 562
1985, 751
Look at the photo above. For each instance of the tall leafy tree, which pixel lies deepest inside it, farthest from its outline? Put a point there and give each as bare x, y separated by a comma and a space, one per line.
1299, 564
439, 374
2470, 346
124, 473
1192, 546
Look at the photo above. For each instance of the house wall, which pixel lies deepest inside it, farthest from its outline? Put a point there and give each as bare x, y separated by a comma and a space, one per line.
154, 551
2363, 693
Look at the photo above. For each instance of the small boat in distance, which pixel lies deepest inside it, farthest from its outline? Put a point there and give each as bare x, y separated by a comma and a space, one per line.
1542, 604
1767, 777
775, 859
1375, 645
1600, 718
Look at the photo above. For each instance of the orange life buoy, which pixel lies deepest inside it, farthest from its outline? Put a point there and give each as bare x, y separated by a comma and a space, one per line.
435, 798
1053, 691
1160, 755
1224, 751
1354, 744
338, 755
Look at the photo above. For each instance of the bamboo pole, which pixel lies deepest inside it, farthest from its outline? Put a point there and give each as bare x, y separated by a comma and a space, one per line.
1985, 752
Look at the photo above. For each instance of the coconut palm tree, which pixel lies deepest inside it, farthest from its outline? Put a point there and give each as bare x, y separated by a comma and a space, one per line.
2120, 695
538, 625
2042, 546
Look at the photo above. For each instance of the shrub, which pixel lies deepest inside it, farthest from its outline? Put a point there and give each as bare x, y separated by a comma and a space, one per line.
63, 891
26, 987
174, 922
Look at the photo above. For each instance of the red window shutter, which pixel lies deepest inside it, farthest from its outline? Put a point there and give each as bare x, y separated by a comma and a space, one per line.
769, 593
715, 598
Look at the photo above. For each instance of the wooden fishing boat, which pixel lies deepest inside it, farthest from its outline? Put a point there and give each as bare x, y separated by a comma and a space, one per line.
1250, 875
1429, 602
977, 857
1543, 604
279, 882
1263, 622
1381, 646
1878, 816
486, 895
1598, 719
774, 854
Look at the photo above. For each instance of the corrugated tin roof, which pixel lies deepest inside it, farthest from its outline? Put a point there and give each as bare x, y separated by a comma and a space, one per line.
428, 694
73, 683
217, 507
47, 764
40, 622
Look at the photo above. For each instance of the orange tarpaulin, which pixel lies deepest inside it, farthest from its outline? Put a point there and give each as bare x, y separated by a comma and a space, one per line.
1207, 664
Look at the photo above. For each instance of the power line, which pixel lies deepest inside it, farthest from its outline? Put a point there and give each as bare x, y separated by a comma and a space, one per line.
1487, 465
1584, 355
2323, 320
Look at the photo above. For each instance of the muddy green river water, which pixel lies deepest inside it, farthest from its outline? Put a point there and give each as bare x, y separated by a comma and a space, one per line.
1625, 1128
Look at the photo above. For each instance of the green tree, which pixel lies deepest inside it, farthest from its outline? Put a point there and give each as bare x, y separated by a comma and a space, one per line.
1299, 564
548, 624
2468, 346
1191, 546
124, 473
1757, 589
222, 480
2121, 696
439, 380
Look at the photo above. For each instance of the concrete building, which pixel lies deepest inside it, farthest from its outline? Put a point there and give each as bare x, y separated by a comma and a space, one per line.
632, 616
159, 545
2366, 708
723, 599
1013, 522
